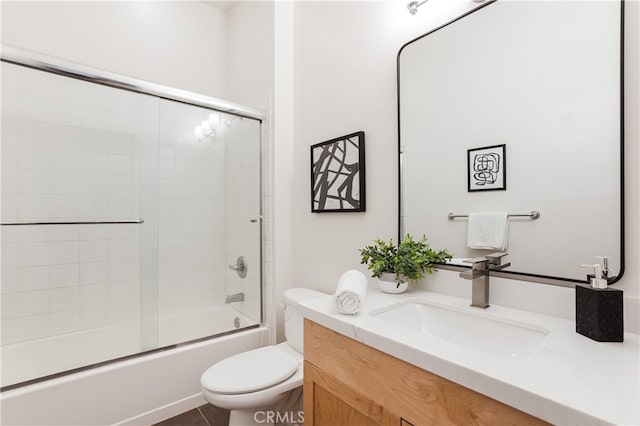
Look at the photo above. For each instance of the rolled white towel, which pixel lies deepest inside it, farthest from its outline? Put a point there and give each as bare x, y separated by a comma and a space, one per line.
350, 292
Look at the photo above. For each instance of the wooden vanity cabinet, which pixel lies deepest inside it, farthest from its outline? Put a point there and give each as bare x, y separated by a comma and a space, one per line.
347, 383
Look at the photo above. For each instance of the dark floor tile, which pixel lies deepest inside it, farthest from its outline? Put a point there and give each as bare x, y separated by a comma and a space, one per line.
189, 418
214, 415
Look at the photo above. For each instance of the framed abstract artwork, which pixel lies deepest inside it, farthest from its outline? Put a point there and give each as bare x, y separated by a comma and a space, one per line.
487, 168
338, 175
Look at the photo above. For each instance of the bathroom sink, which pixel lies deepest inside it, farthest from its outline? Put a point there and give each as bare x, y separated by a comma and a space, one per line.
480, 331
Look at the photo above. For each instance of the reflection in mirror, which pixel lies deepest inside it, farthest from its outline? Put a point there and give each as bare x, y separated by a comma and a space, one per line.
530, 92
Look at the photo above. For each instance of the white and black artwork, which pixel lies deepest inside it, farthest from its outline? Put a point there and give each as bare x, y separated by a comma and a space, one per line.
337, 175
487, 168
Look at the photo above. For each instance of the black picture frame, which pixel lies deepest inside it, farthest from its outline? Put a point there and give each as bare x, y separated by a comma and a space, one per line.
487, 168
338, 175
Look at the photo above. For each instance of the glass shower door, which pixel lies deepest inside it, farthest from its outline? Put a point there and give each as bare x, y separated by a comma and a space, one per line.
209, 216
72, 222
122, 213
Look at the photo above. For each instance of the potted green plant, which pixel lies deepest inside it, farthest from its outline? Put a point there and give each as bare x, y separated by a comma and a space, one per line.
396, 265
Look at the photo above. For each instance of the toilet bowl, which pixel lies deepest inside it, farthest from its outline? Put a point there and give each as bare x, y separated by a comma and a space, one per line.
254, 382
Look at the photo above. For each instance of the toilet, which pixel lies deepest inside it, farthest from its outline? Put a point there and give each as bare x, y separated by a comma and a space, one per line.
251, 383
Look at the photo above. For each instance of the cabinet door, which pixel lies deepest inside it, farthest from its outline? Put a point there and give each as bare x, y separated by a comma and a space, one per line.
418, 395
329, 402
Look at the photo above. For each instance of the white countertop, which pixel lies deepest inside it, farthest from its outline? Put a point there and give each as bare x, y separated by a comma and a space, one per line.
567, 379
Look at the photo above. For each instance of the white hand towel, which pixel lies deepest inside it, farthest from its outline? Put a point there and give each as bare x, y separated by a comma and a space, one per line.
488, 231
350, 292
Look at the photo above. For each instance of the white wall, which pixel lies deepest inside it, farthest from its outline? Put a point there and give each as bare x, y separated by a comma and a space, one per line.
345, 81
176, 43
345, 58
280, 194
250, 58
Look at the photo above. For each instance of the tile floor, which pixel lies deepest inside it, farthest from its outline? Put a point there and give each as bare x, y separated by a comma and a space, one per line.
206, 415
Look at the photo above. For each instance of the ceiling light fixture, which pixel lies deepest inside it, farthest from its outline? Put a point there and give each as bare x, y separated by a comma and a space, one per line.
207, 127
414, 5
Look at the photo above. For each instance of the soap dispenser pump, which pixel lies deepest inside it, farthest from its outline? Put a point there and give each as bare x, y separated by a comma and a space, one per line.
606, 272
596, 280
599, 310
605, 266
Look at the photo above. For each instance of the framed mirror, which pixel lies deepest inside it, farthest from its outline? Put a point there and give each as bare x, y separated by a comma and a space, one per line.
540, 83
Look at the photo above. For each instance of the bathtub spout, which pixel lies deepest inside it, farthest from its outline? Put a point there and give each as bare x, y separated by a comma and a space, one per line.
238, 297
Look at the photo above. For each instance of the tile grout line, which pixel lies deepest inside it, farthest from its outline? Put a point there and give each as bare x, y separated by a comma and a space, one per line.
202, 415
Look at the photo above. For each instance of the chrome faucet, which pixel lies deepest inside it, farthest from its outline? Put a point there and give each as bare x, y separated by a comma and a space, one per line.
238, 297
479, 276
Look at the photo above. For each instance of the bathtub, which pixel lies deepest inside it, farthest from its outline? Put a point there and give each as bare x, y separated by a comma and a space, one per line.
136, 391
184, 327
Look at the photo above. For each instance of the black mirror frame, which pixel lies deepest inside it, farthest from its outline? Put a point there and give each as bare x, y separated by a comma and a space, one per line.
523, 276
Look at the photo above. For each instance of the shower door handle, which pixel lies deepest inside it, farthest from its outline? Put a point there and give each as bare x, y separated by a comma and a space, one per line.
240, 267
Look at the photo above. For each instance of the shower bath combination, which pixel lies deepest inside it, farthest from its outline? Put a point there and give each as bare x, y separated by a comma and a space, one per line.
121, 213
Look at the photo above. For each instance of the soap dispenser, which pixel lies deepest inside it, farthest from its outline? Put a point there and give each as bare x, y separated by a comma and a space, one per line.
605, 268
599, 314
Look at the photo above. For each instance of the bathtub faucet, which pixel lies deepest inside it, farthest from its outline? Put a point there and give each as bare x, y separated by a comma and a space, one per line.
238, 297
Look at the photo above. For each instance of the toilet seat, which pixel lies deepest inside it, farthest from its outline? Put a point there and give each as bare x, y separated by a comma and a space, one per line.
250, 371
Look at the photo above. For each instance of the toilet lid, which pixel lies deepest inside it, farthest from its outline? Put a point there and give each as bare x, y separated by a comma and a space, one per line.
250, 371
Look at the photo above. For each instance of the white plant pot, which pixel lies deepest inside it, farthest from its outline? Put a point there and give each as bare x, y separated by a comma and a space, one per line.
387, 284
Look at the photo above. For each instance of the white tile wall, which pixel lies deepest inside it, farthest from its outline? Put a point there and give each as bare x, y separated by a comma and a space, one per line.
64, 321
243, 206
73, 150
68, 151
191, 213
64, 299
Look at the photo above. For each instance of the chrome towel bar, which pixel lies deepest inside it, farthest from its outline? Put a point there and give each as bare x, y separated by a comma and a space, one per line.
534, 214
66, 222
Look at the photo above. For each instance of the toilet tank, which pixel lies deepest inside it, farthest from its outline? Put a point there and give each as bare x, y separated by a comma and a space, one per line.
293, 321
